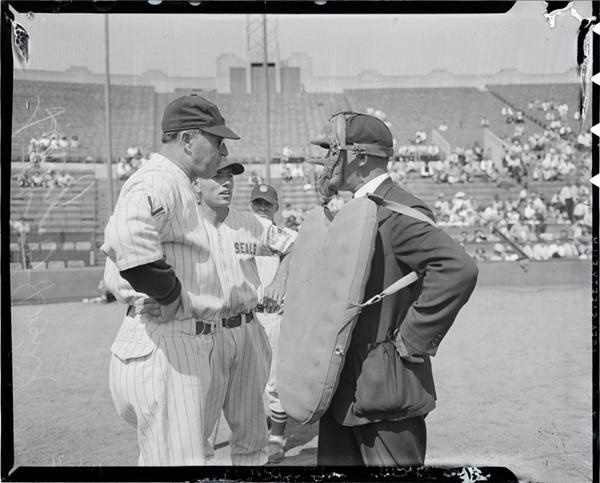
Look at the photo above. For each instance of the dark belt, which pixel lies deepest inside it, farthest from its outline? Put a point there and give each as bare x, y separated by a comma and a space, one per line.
204, 328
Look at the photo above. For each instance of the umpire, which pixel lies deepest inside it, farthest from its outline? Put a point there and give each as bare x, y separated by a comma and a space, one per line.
377, 414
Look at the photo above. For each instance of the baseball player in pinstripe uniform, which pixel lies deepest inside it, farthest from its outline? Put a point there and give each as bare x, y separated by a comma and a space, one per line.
264, 202
188, 309
241, 356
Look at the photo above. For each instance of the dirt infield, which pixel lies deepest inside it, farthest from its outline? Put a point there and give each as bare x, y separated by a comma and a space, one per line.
514, 383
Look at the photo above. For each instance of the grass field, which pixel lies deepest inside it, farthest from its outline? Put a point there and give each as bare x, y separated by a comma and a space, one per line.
513, 376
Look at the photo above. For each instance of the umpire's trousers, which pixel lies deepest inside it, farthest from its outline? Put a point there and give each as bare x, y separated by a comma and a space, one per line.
386, 443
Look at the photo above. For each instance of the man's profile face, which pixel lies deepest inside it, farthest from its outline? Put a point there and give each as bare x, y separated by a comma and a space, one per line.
207, 152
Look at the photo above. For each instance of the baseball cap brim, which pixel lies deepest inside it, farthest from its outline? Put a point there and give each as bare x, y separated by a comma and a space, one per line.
222, 131
320, 142
265, 196
236, 168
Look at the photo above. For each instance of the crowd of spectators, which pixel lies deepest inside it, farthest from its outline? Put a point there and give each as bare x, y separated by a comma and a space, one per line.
524, 221
38, 175
50, 145
510, 116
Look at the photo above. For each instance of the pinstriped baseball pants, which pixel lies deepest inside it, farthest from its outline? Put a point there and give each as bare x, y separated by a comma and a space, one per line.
174, 395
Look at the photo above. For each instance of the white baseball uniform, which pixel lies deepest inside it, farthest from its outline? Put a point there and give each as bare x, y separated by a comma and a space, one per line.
170, 383
267, 267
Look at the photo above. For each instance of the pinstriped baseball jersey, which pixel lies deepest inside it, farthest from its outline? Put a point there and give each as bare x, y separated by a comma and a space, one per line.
166, 380
215, 266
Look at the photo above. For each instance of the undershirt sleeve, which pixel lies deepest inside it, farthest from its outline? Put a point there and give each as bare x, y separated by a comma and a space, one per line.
156, 279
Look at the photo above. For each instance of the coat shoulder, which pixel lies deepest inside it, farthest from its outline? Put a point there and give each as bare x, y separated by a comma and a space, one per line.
400, 195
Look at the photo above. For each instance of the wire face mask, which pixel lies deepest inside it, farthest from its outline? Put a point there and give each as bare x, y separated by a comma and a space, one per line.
335, 162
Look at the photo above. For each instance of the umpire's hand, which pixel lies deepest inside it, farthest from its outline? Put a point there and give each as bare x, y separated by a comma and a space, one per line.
403, 351
273, 296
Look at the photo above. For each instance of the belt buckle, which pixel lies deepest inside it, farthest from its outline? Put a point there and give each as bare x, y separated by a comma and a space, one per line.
203, 328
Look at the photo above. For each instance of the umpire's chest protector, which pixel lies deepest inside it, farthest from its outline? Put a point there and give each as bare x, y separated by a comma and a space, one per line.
328, 273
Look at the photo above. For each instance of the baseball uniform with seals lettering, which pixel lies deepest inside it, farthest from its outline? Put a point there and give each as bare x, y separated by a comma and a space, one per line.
241, 357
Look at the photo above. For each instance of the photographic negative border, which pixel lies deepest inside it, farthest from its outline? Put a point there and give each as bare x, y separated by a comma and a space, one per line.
232, 473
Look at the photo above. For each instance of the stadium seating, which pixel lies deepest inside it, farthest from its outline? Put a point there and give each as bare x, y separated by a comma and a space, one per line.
62, 221
68, 228
411, 110
79, 109
518, 96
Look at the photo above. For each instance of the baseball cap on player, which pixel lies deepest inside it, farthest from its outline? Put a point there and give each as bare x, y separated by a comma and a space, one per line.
195, 112
264, 192
236, 168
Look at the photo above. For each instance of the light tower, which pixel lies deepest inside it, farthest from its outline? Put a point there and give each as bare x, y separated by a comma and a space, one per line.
263, 56
255, 39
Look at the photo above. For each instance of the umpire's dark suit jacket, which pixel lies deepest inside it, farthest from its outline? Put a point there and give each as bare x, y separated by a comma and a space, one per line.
423, 312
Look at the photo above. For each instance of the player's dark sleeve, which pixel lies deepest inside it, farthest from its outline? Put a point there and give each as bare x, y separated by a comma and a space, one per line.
448, 276
156, 279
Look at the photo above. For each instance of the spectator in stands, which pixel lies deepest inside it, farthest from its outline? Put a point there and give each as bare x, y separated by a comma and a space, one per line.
510, 255
480, 254
309, 174
566, 200
64, 179
396, 172
74, 142
520, 232
584, 140
582, 237
464, 238
287, 173
519, 118
565, 246
124, 168
479, 237
580, 210
133, 151
286, 153
441, 206
420, 137
426, 171
498, 254
255, 179
540, 251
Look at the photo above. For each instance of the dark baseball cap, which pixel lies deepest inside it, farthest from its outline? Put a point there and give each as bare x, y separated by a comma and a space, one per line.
236, 168
363, 129
264, 192
195, 112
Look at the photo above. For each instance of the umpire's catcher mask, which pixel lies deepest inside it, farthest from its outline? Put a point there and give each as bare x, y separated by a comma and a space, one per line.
348, 136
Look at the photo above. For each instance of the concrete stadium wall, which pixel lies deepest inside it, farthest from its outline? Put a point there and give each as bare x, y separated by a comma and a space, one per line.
37, 286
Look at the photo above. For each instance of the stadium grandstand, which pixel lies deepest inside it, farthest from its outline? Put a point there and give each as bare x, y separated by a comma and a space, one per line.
519, 142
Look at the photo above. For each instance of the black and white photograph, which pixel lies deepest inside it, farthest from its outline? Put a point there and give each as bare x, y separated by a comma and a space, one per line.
244, 238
